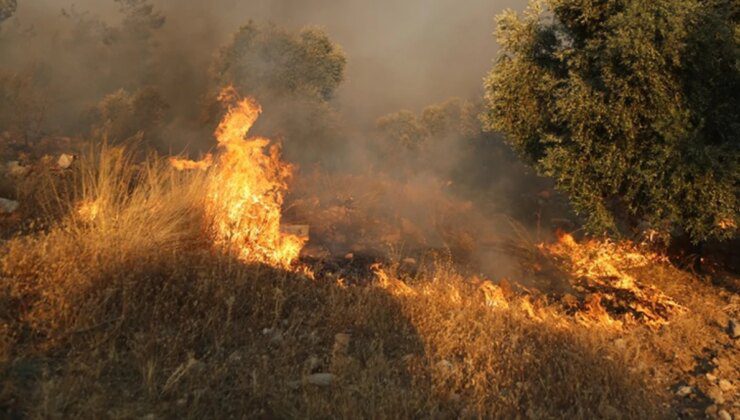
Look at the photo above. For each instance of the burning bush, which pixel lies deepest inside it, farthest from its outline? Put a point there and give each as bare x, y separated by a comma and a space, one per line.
631, 106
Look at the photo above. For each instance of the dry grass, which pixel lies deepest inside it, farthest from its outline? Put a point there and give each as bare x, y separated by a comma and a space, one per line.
127, 315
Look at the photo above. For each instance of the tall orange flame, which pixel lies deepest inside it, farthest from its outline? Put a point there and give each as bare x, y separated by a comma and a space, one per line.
245, 188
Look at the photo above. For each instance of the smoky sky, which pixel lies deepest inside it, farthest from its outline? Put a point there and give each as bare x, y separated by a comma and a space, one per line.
401, 54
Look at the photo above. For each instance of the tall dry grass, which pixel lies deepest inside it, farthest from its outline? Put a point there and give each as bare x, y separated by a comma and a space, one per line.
127, 315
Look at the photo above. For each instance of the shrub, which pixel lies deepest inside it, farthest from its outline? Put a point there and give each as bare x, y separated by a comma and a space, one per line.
633, 107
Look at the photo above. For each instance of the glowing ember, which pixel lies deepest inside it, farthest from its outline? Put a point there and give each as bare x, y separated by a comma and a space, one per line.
245, 188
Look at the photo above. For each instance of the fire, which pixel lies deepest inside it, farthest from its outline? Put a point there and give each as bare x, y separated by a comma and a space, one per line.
603, 271
186, 164
245, 188
88, 210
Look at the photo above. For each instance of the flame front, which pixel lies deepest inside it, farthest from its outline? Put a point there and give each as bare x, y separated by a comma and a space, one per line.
245, 188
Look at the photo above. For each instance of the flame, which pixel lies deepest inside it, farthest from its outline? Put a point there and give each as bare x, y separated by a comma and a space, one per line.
88, 210
604, 269
245, 188
187, 164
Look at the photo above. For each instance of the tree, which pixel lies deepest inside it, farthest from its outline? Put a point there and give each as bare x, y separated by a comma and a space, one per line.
122, 116
7, 8
632, 106
293, 75
264, 59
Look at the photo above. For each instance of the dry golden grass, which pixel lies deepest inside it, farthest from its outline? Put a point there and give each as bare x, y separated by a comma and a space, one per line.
128, 315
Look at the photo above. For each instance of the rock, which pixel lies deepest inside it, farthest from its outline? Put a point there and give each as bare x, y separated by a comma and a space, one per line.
445, 366
8, 206
341, 343
277, 338
684, 391
15, 169
733, 329
313, 363
711, 378
716, 395
724, 415
409, 261
235, 357
321, 379
620, 344
65, 161
349, 256
725, 385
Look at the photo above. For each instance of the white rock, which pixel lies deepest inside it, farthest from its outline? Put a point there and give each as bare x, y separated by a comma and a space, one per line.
725, 385
65, 160
8, 206
409, 261
15, 169
321, 379
724, 415
684, 391
733, 328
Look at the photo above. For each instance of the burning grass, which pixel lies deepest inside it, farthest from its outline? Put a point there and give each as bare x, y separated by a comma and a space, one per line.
140, 300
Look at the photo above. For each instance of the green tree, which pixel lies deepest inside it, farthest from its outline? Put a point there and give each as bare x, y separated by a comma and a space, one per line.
632, 106
7, 8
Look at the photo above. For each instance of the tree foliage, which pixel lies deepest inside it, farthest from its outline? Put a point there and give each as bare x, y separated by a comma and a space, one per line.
632, 106
266, 59
7, 8
294, 76
122, 116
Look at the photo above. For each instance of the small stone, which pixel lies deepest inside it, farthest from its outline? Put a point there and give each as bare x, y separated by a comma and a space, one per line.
65, 161
725, 385
235, 357
711, 377
321, 379
349, 256
445, 366
409, 261
733, 329
716, 395
684, 391
341, 343
620, 344
724, 415
8, 206
16, 169
277, 338
181, 402
313, 363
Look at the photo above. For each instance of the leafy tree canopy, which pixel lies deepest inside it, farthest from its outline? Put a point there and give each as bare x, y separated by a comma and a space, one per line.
266, 59
632, 106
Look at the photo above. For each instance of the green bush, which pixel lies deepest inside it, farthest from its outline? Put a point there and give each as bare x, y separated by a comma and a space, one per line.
632, 106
